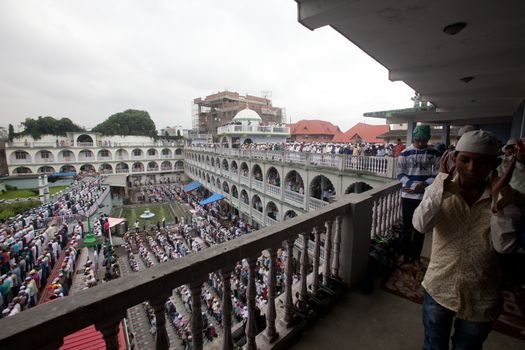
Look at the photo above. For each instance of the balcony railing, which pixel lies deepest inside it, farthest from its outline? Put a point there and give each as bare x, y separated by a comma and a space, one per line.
43, 144
254, 129
122, 171
245, 180
273, 191
314, 203
294, 197
270, 221
257, 215
257, 184
346, 243
382, 166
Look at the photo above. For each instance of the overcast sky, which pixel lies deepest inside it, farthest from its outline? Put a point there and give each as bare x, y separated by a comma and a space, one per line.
86, 60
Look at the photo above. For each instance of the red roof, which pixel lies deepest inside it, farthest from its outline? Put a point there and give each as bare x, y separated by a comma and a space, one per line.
365, 132
90, 339
313, 127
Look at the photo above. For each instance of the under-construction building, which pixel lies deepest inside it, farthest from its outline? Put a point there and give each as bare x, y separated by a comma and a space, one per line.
220, 108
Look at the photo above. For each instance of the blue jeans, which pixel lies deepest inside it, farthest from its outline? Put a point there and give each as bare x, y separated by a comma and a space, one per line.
437, 320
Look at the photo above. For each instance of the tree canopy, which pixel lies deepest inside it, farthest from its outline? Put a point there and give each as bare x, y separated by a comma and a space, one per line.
48, 126
129, 122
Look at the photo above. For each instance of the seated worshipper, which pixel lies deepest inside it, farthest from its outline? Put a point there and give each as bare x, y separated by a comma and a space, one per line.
462, 283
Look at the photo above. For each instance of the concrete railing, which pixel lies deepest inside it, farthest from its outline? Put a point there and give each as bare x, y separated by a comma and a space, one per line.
346, 224
381, 166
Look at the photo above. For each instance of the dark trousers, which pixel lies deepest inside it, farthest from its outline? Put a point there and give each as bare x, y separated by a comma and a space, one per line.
411, 242
438, 321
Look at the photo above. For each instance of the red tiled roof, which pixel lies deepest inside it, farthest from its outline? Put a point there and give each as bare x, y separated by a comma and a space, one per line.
366, 132
90, 339
313, 127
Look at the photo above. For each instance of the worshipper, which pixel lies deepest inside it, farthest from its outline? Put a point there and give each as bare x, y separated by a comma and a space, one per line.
462, 284
398, 148
416, 168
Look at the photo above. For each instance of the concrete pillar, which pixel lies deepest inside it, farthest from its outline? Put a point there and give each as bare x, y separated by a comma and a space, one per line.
410, 128
288, 300
271, 332
445, 135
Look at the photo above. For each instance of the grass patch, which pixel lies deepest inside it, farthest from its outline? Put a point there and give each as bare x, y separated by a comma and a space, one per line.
28, 193
13, 209
160, 211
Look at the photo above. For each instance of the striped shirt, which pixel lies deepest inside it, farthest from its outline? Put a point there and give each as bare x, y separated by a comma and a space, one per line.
415, 166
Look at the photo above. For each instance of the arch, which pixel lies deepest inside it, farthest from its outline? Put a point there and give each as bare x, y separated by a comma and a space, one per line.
46, 169
235, 192
224, 142
166, 165
199, 158
294, 182
225, 187
179, 165
22, 170
153, 166
289, 214
84, 140
212, 180
66, 155
244, 169
236, 142
105, 168
68, 168
272, 211
244, 197
218, 182
273, 177
225, 164
20, 156
122, 168
104, 154
257, 172
208, 178
208, 160
257, 203
137, 167
178, 151
218, 163
137, 153
85, 154
212, 161
234, 167
165, 153
87, 168
152, 152
321, 188
247, 141
358, 187
121, 154
44, 156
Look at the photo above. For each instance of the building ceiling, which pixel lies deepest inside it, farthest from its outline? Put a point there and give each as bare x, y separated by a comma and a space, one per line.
478, 72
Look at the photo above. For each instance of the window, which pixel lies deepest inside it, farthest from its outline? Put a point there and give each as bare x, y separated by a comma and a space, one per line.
20, 155
137, 152
151, 152
104, 153
45, 154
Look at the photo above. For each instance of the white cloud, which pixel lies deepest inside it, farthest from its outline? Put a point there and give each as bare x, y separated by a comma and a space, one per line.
89, 59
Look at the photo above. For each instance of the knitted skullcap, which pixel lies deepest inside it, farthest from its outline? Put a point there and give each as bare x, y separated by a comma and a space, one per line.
478, 141
421, 132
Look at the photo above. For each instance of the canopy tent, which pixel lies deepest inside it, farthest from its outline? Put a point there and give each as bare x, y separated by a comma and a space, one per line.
115, 221
191, 186
213, 198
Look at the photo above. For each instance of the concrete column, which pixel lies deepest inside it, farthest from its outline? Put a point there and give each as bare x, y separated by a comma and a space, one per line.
288, 301
271, 332
445, 135
196, 315
109, 329
304, 270
327, 252
337, 246
251, 294
162, 342
317, 253
410, 129
226, 309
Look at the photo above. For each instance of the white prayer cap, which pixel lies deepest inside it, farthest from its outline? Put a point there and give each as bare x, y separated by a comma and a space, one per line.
465, 129
478, 141
511, 142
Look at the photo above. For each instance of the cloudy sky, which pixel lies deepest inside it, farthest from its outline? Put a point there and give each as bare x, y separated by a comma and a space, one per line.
86, 60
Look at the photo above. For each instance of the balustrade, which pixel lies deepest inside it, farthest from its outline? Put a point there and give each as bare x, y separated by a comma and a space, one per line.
314, 203
294, 197
257, 184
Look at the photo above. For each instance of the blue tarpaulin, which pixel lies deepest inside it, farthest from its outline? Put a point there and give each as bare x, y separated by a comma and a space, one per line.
64, 174
213, 198
191, 186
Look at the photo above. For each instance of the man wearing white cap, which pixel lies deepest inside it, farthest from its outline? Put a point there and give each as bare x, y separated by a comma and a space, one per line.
462, 283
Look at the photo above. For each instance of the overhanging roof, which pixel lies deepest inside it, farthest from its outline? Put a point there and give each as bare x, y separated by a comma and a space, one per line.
116, 180
408, 38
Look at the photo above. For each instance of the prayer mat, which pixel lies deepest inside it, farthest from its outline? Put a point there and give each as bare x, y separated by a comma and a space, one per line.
405, 281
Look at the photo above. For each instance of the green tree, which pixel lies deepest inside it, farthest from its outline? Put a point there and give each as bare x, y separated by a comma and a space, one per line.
10, 133
48, 126
129, 122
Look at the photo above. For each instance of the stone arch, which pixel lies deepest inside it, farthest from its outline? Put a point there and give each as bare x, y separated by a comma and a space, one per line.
245, 171
225, 164
236, 142
224, 142
321, 188
166, 166
46, 169
289, 214
86, 154
43, 156
257, 173
208, 160
244, 197
208, 178
152, 152
66, 155
22, 170
212, 182
153, 166
178, 151
20, 156
294, 182
218, 163
84, 140
234, 167
105, 168
68, 168
137, 153
165, 153
212, 161
257, 203
121, 154
179, 164
235, 192
104, 154
122, 168
272, 211
247, 141
225, 187
273, 177
358, 187
218, 182
87, 168
137, 167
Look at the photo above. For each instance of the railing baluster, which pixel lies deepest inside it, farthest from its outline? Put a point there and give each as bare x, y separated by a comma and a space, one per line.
109, 329
337, 245
373, 233
196, 314
327, 251
251, 293
288, 301
317, 252
304, 270
271, 332
226, 308
161, 336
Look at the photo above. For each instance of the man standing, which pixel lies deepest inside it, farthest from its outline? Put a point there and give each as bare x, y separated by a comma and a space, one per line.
398, 148
416, 168
462, 283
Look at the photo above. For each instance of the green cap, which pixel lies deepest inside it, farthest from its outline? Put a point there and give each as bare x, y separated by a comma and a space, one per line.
421, 132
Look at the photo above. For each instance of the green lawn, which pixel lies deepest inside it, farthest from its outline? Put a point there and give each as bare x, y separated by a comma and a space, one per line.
13, 194
160, 211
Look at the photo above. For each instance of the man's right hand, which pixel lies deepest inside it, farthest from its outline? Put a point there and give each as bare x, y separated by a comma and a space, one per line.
443, 168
